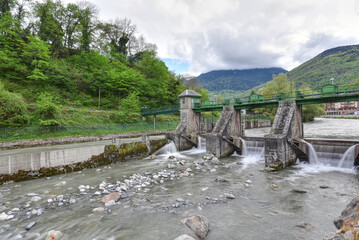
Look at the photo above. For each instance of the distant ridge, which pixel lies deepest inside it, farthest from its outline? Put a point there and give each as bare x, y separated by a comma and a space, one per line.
238, 80
340, 63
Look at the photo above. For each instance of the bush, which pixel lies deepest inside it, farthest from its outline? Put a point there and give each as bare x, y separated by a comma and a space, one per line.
47, 108
13, 109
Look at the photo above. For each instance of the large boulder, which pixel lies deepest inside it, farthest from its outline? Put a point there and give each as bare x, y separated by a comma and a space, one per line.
198, 224
351, 211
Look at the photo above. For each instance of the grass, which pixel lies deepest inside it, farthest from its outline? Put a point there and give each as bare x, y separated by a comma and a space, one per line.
26, 133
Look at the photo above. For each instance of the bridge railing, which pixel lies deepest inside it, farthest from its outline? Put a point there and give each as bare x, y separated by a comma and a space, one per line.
328, 90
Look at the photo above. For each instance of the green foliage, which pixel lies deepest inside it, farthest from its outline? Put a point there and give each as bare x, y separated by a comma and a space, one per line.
51, 49
280, 84
131, 104
13, 109
47, 108
312, 110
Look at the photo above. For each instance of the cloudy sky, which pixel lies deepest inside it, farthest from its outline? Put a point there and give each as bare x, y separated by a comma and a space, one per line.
198, 36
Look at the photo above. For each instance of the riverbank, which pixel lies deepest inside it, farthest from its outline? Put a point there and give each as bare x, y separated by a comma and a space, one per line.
341, 116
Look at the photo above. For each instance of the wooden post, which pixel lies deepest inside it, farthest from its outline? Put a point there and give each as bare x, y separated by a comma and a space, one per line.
99, 98
154, 122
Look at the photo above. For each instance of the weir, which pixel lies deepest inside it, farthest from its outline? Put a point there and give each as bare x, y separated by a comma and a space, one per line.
282, 146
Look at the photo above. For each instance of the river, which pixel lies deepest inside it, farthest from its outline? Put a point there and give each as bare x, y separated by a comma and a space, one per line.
265, 207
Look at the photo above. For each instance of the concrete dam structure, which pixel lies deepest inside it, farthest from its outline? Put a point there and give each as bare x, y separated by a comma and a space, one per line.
282, 146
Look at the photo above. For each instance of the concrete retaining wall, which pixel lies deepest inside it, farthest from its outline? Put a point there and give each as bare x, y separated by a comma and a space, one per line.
37, 165
68, 140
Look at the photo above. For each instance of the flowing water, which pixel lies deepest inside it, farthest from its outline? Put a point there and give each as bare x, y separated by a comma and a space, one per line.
153, 209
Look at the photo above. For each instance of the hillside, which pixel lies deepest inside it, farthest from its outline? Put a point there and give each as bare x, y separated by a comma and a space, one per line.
238, 80
340, 63
72, 59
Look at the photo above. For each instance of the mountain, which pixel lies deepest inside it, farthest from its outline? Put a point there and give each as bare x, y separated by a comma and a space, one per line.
340, 63
238, 80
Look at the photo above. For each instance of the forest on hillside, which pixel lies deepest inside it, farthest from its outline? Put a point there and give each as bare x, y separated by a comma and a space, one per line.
53, 54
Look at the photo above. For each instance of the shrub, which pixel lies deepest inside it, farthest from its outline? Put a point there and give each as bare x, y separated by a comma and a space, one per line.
13, 109
46, 107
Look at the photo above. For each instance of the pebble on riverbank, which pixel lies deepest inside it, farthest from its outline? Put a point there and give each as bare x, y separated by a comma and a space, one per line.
54, 235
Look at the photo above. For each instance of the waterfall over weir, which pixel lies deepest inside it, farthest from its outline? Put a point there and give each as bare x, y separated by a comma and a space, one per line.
169, 148
252, 148
201, 143
335, 156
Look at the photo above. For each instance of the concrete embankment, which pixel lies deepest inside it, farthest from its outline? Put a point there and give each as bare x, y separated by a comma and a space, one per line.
42, 164
68, 140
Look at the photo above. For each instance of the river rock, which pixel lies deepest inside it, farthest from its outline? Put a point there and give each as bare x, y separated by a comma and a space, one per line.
5, 217
221, 179
60, 184
208, 157
349, 212
30, 225
54, 235
31, 194
299, 191
110, 203
185, 237
215, 161
230, 196
198, 224
115, 196
35, 199
97, 210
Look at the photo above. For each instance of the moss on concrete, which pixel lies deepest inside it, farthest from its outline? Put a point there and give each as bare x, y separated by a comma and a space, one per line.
112, 154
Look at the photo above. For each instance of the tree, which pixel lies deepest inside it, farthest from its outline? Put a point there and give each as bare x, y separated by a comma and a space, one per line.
312, 110
36, 54
49, 26
10, 49
6, 6
87, 24
278, 85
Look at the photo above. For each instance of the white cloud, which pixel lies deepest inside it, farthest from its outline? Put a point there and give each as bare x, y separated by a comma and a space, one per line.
230, 34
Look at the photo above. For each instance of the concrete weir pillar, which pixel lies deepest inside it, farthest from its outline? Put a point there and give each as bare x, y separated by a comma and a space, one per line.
186, 135
225, 137
287, 125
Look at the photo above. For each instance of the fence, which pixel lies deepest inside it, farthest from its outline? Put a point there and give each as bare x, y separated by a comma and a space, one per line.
11, 134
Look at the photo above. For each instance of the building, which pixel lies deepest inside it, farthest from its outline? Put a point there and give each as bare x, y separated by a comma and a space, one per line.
342, 108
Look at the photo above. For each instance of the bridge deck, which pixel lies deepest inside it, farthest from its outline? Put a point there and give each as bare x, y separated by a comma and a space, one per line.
328, 93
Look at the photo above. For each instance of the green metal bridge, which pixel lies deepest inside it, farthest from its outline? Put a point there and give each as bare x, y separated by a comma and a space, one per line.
327, 94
